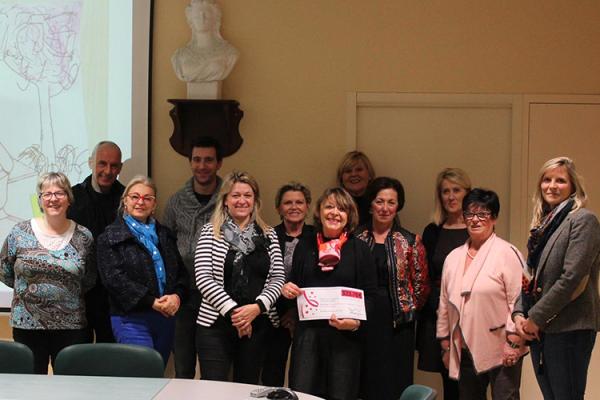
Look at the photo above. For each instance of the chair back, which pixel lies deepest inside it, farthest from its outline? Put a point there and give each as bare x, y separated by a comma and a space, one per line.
15, 358
109, 359
418, 392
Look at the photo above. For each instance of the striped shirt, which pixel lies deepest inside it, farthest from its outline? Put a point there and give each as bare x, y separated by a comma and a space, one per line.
209, 266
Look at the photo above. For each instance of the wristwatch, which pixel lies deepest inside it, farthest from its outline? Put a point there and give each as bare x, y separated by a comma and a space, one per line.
512, 344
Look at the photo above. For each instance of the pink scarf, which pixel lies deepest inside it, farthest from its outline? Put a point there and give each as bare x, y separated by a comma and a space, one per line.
330, 251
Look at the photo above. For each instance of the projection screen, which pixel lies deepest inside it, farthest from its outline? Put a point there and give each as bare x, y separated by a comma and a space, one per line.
72, 73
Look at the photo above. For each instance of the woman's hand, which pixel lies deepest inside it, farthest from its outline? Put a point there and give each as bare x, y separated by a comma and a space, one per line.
344, 324
290, 291
446, 359
167, 305
445, 345
245, 332
243, 316
531, 329
510, 356
526, 328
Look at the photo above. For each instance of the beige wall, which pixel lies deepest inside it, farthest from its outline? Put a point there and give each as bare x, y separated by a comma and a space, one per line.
299, 58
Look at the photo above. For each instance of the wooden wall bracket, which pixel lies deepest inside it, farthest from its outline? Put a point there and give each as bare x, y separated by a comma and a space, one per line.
216, 118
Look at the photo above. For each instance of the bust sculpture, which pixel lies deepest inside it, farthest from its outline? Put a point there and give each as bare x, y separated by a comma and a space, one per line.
207, 57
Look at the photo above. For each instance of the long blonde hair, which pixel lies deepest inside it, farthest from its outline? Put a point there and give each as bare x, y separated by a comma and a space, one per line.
456, 176
580, 196
220, 214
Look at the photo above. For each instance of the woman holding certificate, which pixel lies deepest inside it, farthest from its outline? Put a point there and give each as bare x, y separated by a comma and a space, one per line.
402, 289
326, 353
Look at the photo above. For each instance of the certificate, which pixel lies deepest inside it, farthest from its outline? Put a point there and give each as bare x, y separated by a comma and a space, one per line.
322, 302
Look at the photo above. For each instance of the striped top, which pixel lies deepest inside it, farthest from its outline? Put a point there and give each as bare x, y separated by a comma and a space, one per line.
209, 266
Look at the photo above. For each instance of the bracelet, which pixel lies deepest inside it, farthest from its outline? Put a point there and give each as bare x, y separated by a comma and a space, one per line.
513, 345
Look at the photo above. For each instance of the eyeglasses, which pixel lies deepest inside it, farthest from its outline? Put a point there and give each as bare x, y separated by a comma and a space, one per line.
48, 195
481, 215
135, 197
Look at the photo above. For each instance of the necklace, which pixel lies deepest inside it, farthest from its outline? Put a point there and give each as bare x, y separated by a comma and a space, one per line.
472, 257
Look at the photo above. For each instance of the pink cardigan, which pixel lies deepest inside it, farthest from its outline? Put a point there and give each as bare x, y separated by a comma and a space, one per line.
479, 303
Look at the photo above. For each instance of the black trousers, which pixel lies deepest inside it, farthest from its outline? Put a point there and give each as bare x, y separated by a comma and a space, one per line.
505, 381
47, 343
97, 312
220, 348
273, 373
184, 348
326, 362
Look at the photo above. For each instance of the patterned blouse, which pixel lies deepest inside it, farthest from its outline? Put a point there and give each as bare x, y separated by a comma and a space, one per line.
48, 285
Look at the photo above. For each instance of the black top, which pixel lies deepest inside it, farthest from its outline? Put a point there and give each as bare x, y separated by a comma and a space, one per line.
308, 234
203, 199
356, 269
381, 265
127, 271
95, 210
439, 242
363, 206
256, 265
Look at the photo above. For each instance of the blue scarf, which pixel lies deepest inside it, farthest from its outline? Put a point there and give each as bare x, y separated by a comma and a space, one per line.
146, 234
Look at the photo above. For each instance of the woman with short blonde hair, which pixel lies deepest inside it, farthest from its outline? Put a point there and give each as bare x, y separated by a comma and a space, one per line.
141, 268
50, 263
354, 174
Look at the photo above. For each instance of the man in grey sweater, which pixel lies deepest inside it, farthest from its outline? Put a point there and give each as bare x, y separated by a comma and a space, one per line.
185, 214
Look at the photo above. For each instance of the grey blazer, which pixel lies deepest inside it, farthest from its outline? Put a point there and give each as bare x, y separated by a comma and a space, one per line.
567, 277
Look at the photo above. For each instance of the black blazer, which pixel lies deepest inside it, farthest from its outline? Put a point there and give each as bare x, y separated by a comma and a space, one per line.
126, 269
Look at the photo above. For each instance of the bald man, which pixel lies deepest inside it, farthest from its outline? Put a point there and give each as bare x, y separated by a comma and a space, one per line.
96, 202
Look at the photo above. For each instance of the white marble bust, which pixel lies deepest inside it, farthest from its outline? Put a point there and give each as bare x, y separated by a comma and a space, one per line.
207, 57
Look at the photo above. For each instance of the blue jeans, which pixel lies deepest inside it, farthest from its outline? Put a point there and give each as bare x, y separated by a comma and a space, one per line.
149, 329
565, 358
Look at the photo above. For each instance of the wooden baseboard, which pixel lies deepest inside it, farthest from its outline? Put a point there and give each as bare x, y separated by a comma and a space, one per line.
5, 329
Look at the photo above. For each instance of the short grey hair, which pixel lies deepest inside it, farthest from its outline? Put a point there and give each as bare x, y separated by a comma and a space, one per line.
104, 143
54, 178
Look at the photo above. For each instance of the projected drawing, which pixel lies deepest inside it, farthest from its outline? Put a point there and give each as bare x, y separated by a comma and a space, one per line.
65, 84
40, 46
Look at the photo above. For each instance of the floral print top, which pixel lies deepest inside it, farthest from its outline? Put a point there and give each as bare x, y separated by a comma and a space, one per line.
48, 285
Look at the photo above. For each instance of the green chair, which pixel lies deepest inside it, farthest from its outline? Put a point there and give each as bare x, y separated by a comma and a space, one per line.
418, 392
109, 359
15, 358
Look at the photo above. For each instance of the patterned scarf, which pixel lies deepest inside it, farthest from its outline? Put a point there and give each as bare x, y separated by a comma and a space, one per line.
539, 236
330, 251
146, 234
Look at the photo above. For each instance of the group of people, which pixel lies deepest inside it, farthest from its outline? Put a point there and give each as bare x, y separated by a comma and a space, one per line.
215, 284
